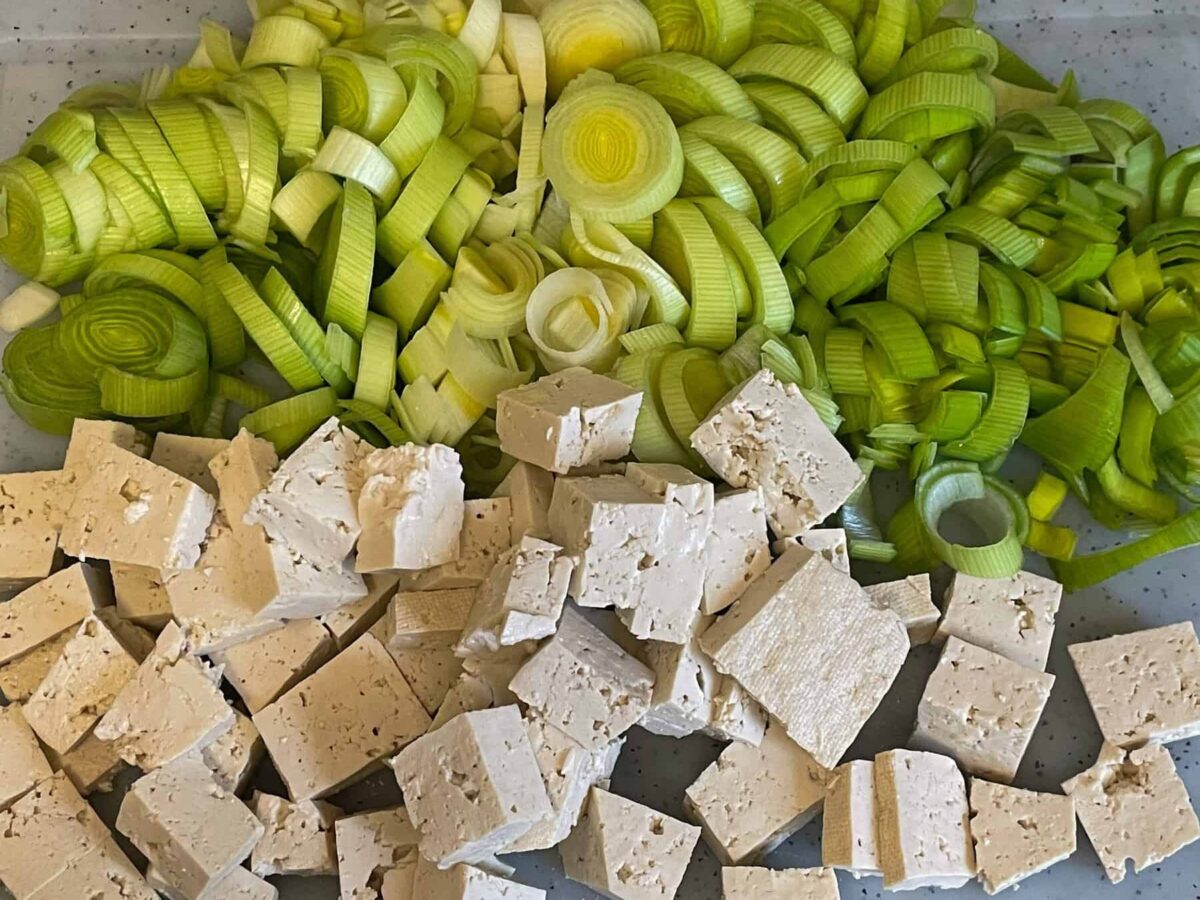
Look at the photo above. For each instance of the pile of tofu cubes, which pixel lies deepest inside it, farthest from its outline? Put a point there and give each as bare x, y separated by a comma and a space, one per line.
186, 609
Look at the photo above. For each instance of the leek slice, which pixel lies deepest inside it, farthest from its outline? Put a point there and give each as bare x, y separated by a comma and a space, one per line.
486, 368
803, 22
303, 327
353, 157
262, 171
480, 32
585, 34
26, 306
360, 94
881, 37
343, 276
928, 106
409, 295
301, 205
826, 78
688, 87
284, 41
653, 440
652, 337
573, 322
1133, 497
491, 288
897, 335
1000, 425
690, 383
1083, 571
707, 172
377, 362
41, 391
288, 422
718, 30
86, 201
430, 186
524, 53
426, 47
793, 114
687, 248
418, 126
1046, 497
68, 134
188, 135
1001, 238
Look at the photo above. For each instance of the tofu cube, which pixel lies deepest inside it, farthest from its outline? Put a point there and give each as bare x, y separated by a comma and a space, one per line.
472, 787
529, 489
771, 884
426, 620
47, 609
371, 844
1018, 833
235, 755
464, 882
1133, 806
92, 764
20, 678
79, 456
298, 837
1143, 686
685, 684
736, 550
981, 708
263, 668
1010, 616
735, 716
486, 533
189, 456
31, 513
806, 678
141, 595
829, 542
484, 682
911, 599
848, 826
752, 799
765, 434
922, 836
570, 418
348, 623
22, 763
104, 871
240, 884
430, 673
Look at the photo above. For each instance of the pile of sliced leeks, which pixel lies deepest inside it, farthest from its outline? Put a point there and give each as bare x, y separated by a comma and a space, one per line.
407, 208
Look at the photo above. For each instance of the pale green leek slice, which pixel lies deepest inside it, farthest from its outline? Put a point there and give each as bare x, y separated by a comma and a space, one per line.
586, 34
825, 77
718, 30
689, 87
343, 276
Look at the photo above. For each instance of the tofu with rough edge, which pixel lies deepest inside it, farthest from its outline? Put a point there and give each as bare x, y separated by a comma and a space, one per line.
472, 787
571, 418
848, 826
910, 598
486, 533
92, 764
348, 623
1018, 833
298, 837
765, 434
805, 678
426, 620
189, 456
141, 595
80, 457
736, 716
240, 884
430, 673
104, 871
829, 542
263, 668
22, 763
685, 684
45, 610
628, 851
380, 842
31, 514
529, 489
20, 678
1010, 616
462, 882
745, 883
737, 549
235, 755
484, 683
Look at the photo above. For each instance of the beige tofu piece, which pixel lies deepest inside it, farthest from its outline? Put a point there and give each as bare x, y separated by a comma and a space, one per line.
737, 549
298, 837
22, 763
430, 673
191, 830
766, 434
20, 678
570, 418
981, 708
372, 844
848, 826
45, 610
1133, 806
242, 471
263, 668
1010, 616
807, 679
1144, 686
79, 459
102, 872
829, 542
240, 884
235, 755
736, 716
189, 456
462, 882
628, 851
141, 595
911, 599
322, 736
584, 684
31, 513
473, 786
486, 533
425, 620
1018, 833
922, 836
752, 799
746, 883
350, 622
685, 684
529, 489
92, 765
484, 682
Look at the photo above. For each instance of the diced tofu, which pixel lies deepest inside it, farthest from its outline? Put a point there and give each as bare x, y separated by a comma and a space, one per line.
80, 455
822, 681
430, 673
1143, 686
981, 708
263, 668
1010, 616
829, 542
20, 678
484, 682
341, 722
486, 533
473, 786
298, 838
737, 550
240, 884
372, 844
102, 872
628, 851
22, 764
922, 836
464, 882
141, 595
685, 684
350, 622
31, 513
570, 418
584, 684
736, 716
91, 765
766, 434
912, 600
189, 456
848, 835
242, 471
426, 620
772, 884
530, 489
1018, 833
752, 799
235, 755
1133, 806
42, 612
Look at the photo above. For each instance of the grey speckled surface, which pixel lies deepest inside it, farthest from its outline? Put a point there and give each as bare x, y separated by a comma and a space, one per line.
1145, 51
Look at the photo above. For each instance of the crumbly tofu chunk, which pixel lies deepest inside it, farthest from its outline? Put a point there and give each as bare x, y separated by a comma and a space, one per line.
484, 682
92, 764
1144, 686
348, 623
584, 684
529, 489
981, 708
341, 722
806, 678
141, 595
298, 837
45, 610
242, 471
685, 684
430, 673
20, 678
473, 786
22, 763
191, 830
911, 599
103, 872
464, 882
31, 513
737, 549
486, 533
369, 846
736, 716
628, 851
1133, 806
745, 883
1018, 833
752, 799
848, 824
189, 456
570, 418
766, 434
240, 884
829, 542
1010, 616
79, 457
263, 668
922, 835
235, 755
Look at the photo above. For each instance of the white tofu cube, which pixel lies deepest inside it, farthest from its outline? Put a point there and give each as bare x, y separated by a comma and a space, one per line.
736, 550
766, 434
20, 678
235, 755
430, 673
22, 763
92, 764
1010, 616
189, 456
484, 682
773, 884
848, 826
1018, 833
911, 599
263, 668
426, 620
47, 609
240, 884
529, 489
486, 533
350, 622
829, 542
242, 471
101, 871
685, 685
31, 513
298, 837
464, 882
736, 716
372, 844
141, 595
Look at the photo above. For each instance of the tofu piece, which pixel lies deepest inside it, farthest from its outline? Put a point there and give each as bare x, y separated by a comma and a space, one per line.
77, 464
242, 471
464, 882
172, 706
486, 533
752, 799
20, 678
628, 851
584, 684
47, 609
765, 434
829, 542
92, 764
132, 511
141, 595
348, 623
189, 456
981, 708
372, 844
191, 830
1010, 616
922, 835
104, 871
22, 763
31, 513
1018, 833
235, 755
263, 668
411, 508
737, 550
341, 722
430, 673
736, 716
473, 786
848, 826
911, 599
298, 837
1133, 806
806, 678
1143, 686
529, 489
485, 682
747, 883
571, 418
685, 684
425, 620
240, 884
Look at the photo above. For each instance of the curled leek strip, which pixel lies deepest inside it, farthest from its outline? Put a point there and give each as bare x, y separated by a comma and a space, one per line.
284, 41
86, 200
423, 197
481, 31
490, 288
485, 368
803, 22
573, 322
454, 62
718, 30
360, 93
347, 261
68, 134
351, 156
686, 247
830, 81
688, 86
301, 205
419, 124
589, 34
928, 106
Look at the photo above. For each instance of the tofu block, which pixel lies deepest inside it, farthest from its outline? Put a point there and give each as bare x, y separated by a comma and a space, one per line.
31, 513
20, 678
22, 763
771, 884
242, 471
411, 508
911, 599
529, 489
263, 668
848, 826
484, 682
77, 463
765, 434
92, 764
104, 871
628, 851
806, 678
235, 755
47, 609
1133, 806
191, 830
685, 683
486, 533
141, 595
473, 786
298, 837
752, 799
922, 836
736, 550
189, 456
348, 623
570, 418
1143, 686
584, 684
464, 882
735, 716
1018, 833
430, 673
341, 722
240, 884
1010, 616
372, 844
829, 542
